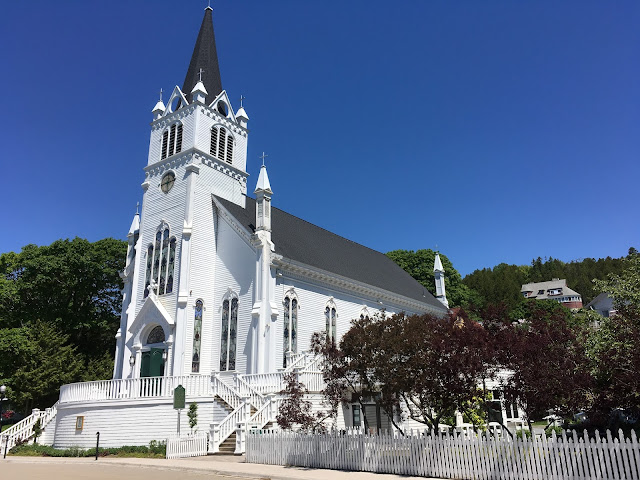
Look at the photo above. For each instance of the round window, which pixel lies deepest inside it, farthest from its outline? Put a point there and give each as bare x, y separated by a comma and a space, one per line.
167, 182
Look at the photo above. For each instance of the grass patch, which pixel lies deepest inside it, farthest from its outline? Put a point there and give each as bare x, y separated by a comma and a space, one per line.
154, 450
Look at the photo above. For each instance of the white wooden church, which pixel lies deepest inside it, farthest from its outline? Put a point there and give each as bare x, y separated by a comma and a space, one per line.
222, 290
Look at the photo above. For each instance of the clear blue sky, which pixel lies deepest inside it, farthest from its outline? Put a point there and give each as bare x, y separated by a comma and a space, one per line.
498, 130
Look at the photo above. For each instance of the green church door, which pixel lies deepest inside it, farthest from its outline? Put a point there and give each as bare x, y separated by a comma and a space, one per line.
152, 366
152, 363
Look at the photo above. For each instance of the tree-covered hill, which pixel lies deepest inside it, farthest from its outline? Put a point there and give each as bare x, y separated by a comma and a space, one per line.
502, 283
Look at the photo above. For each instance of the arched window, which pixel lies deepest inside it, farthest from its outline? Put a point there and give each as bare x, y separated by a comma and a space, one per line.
221, 144
197, 333
171, 140
364, 313
330, 319
228, 334
172, 260
161, 263
156, 335
148, 272
290, 340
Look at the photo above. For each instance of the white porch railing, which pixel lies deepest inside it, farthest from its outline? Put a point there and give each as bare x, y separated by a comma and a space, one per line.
188, 446
23, 430
265, 382
130, 388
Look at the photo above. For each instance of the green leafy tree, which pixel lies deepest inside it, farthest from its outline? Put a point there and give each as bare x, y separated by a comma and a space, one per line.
613, 346
419, 264
40, 360
193, 416
72, 284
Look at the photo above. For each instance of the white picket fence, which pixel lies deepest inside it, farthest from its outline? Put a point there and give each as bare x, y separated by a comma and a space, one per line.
453, 456
195, 445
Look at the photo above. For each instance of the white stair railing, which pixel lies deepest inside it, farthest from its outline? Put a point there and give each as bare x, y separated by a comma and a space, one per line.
23, 430
256, 398
230, 396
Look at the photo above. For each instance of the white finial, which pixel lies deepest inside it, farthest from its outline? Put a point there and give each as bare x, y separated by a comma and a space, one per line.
242, 97
137, 208
161, 94
200, 72
263, 156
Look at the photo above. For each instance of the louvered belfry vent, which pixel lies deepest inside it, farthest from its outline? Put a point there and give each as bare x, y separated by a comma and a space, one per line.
221, 144
171, 141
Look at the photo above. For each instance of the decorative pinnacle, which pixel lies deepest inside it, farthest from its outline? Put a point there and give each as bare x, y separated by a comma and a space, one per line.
263, 156
161, 94
137, 207
200, 72
242, 97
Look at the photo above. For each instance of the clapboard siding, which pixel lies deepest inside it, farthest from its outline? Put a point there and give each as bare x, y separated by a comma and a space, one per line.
122, 423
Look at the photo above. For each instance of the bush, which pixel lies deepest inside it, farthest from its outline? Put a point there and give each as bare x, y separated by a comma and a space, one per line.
154, 450
519, 433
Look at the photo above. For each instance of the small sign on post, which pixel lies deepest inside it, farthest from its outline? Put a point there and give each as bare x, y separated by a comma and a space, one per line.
178, 402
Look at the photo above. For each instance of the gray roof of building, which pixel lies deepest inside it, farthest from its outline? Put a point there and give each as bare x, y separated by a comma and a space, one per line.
304, 242
602, 301
546, 286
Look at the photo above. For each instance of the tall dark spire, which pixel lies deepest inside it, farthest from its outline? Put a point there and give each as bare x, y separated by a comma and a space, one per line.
204, 57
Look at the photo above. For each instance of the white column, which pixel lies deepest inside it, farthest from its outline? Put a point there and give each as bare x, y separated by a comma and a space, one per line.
185, 269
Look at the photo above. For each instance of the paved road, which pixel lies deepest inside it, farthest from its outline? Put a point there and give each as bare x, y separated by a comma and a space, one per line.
100, 471
200, 468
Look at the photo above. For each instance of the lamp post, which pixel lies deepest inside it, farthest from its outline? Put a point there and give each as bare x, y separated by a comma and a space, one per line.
132, 362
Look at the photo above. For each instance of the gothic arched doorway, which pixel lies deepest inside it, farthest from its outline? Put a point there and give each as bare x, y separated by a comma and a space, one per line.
152, 364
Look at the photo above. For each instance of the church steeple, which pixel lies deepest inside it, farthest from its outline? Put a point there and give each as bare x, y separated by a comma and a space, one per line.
205, 57
438, 273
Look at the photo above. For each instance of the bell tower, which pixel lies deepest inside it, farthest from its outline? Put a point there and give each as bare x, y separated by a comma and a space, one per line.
197, 148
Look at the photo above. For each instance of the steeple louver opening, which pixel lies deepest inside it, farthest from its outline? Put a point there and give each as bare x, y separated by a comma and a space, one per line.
205, 57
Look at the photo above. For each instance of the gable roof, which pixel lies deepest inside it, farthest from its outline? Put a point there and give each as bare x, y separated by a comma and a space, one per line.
303, 242
545, 287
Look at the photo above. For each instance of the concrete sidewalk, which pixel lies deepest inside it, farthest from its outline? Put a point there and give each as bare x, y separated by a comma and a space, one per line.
221, 465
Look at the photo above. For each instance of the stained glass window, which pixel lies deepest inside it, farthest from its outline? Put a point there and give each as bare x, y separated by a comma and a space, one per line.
161, 258
156, 257
197, 333
290, 326
172, 260
156, 335
148, 272
224, 336
163, 262
228, 334
330, 321
287, 320
233, 334
294, 325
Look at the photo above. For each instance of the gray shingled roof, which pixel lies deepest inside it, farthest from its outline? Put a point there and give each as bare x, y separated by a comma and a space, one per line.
303, 242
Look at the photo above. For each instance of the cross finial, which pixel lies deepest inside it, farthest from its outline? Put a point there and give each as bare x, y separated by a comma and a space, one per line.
263, 156
161, 94
200, 72
137, 207
436, 248
209, 4
242, 97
